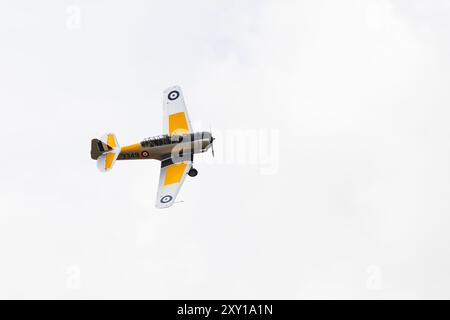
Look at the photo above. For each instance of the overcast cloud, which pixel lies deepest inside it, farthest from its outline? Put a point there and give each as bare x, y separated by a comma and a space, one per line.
339, 185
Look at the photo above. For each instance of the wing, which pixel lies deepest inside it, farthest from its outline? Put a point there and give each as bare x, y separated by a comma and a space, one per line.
176, 119
171, 179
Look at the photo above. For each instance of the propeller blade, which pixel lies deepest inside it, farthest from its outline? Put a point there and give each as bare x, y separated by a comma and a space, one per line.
212, 141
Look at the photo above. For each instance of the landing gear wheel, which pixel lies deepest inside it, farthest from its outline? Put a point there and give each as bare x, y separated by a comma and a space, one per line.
193, 172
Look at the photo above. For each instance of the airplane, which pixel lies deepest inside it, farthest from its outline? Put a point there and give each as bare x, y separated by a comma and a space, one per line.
175, 148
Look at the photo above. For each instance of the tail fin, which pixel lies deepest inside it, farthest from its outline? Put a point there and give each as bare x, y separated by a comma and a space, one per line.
98, 147
105, 151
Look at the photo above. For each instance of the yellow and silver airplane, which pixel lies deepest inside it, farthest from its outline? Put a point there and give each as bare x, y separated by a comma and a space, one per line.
175, 149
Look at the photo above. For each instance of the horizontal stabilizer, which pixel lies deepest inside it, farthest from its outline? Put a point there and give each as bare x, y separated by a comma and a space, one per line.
105, 151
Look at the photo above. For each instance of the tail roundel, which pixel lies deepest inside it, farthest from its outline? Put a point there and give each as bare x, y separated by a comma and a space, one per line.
105, 151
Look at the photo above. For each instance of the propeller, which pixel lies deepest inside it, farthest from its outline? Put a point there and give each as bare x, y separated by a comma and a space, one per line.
211, 141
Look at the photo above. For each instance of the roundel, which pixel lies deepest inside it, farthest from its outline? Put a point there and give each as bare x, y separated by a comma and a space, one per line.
166, 199
173, 95
145, 154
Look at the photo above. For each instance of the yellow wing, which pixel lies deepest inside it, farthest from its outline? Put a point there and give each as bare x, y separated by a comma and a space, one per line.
176, 119
171, 179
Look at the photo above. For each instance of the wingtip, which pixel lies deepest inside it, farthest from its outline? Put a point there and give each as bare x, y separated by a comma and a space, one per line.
163, 206
174, 87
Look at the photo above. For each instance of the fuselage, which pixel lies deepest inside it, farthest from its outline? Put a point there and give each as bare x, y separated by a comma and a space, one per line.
165, 146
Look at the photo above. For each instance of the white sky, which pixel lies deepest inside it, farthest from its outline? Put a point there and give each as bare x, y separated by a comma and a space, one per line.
343, 191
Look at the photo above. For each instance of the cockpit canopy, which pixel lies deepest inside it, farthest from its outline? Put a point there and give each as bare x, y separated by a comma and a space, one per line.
156, 141
176, 138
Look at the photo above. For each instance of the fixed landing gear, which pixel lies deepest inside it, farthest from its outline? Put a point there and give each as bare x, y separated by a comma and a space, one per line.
192, 172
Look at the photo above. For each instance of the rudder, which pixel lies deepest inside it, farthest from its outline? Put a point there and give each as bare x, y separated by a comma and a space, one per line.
98, 147
105, 151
